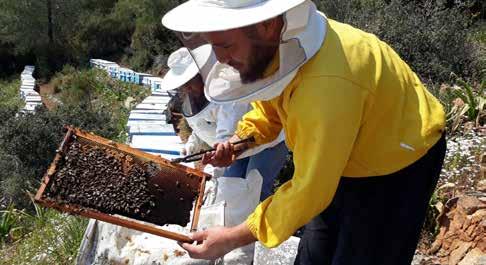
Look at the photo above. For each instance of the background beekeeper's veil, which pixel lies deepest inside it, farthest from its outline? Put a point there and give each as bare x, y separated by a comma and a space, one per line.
302, 36
187, 69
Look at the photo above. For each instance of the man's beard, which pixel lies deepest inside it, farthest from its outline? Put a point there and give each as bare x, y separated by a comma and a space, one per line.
260, 59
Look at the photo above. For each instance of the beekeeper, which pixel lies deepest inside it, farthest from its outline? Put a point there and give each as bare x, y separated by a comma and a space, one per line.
367, 136
214, 123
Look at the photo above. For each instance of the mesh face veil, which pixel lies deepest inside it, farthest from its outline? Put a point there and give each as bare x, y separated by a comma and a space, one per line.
186, 74
302, 35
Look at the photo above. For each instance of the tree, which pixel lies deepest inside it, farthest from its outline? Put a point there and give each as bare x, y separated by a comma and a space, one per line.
40, 28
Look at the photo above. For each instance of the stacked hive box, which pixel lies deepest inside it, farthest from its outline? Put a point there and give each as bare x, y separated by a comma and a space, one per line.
127, 75
148, 130
27, 93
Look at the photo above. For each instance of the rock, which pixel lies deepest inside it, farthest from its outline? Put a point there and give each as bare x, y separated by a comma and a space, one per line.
458, 102
470, 204
469, 126
129, 102
419, 259
462, 230
458, 253
481, 186
447, 186
474, 257
482, 164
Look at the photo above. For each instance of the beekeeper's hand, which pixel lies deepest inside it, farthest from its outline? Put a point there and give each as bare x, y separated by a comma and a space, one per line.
190, 148
222, 157
193, 145
226, 153
216, 242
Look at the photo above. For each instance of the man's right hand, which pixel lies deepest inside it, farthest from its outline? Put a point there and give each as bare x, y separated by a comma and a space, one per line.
223, 156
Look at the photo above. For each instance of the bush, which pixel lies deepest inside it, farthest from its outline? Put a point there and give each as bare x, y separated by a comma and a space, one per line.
464, 102
94, 87
9, 97
433, 39
28, 143
89, 99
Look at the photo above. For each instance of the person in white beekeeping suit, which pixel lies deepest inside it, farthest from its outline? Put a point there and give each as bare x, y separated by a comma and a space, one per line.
215, 123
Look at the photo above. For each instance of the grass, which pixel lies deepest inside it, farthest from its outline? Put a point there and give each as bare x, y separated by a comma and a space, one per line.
10, 94
479, 33
46, 236
52, 238
9, 223
95, 87
463, 102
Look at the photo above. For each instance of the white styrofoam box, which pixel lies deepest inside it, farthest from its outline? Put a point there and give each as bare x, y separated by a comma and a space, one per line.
161, 148
28, 93
146, 116
28, 83
151, 106
33, 100
138, 123
170, 143
157, 139
155, 111
156, 100
30, 107
26, 76
160, 94
154, 129
26, 90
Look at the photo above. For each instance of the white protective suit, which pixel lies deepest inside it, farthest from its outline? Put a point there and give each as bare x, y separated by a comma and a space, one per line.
214, 124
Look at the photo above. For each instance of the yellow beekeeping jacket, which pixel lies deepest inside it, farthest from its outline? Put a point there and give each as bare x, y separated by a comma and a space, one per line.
356, 110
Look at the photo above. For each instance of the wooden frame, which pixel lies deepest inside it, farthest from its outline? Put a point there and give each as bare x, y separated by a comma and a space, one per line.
117, 219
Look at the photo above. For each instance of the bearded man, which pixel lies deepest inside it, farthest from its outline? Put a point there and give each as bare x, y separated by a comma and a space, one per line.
367, 137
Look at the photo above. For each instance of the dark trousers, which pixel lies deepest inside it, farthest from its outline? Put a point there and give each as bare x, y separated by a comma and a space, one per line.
375, 220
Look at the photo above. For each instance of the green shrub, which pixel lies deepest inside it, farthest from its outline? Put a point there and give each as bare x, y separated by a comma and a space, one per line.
464, 102
8, 223
10, 96
433, 39
28, 143
55, 240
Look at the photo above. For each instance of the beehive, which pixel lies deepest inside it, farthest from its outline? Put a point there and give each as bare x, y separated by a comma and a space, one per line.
97, 178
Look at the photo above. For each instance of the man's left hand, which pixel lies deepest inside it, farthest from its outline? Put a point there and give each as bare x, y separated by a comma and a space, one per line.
216, 242
212, 244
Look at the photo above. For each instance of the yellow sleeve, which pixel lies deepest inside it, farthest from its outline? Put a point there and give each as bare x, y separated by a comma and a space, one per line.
324, 118
263, 123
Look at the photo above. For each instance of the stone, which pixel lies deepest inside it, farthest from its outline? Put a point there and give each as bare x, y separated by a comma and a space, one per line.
470, 204
447, 185
458, 253
481, 186
462, 229
474, 257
